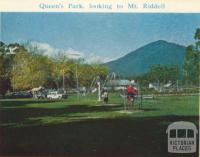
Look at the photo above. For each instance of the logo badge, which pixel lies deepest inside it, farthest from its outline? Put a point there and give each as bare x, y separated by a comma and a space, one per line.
182, 137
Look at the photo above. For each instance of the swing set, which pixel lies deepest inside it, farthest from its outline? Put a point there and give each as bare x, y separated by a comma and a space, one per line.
131, 102
128, 102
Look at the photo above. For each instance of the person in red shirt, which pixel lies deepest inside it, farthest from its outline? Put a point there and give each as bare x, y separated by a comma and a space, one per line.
131, 92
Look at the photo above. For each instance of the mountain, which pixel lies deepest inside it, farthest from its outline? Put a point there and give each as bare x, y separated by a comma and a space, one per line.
139, 61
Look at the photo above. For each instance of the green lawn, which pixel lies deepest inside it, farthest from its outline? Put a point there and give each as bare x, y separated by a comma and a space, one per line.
81, 126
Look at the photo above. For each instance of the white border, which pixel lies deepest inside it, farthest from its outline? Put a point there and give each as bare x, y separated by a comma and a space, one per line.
170, 6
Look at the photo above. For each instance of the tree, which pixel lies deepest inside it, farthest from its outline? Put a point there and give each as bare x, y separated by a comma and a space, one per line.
5, 69
4, 76
192, 61
30, 70
75, 72
63, 71
87, 72
26, 67
160, 74
197, 34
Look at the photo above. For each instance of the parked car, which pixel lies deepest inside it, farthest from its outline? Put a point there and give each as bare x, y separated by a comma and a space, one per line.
59, 94
19, 94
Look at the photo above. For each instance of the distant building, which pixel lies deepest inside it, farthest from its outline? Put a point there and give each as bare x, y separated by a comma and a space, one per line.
118, 84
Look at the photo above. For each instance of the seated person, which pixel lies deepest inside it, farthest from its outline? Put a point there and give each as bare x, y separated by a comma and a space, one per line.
105, 96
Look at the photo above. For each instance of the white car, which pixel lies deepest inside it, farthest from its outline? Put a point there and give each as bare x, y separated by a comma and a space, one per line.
54, 95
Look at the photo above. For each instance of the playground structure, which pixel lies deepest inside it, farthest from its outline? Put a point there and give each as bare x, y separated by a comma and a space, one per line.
117, 85
111, 84
130, 103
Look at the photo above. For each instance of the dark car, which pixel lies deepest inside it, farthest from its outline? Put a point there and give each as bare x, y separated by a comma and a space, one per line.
19, 94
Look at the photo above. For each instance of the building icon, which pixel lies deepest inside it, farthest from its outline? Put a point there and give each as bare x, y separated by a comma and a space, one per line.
182, 137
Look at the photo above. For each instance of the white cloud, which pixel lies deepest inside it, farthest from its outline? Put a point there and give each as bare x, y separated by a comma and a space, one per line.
71, 53
50, 51
93, 58
43, 48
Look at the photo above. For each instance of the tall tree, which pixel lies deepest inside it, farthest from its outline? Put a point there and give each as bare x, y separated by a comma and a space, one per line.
30, 70
192, 60
62, 71
5, 69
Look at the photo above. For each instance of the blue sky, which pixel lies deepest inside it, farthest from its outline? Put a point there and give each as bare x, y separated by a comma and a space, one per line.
107, 36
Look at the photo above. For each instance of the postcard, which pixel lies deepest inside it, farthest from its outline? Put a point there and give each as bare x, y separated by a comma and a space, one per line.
99, 78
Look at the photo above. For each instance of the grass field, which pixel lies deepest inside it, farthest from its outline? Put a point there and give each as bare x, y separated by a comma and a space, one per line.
81, 126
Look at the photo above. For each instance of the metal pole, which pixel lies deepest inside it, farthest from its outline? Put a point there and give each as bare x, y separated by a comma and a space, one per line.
13, 79
63, 79
177, 88
99, 91
77, 81
76, 77
141, 98
125, 98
